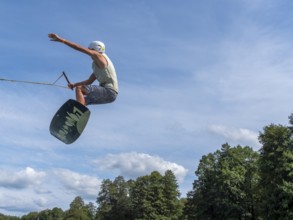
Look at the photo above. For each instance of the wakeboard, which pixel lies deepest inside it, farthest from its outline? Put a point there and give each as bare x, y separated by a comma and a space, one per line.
69, 121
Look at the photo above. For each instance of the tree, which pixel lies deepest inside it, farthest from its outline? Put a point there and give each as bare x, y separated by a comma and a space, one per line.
171, 194
156, 197
30, 216
54, 214
225, 187
147, 197
239, 178
202, 200
276, 171
139, 197
77, 210
104, 199
7, 217
91, 210
113, 200
45, 215
57, 213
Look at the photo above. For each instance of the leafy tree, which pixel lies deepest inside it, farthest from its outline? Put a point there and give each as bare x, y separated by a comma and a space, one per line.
251, 201
276, 169
227, 181
7, 217
54, 214
104, 199
45, 215
113, 200
77, 210
147, 197
239, 178
57, 213
202, 200
156, 197
91, 210
30, 216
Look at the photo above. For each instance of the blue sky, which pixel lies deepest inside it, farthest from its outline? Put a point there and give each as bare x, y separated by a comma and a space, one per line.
193, 75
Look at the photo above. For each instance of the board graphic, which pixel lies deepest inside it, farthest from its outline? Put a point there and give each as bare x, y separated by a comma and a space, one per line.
69, 121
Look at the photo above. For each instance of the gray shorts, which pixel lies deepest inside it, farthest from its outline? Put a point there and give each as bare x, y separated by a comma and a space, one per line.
99, 95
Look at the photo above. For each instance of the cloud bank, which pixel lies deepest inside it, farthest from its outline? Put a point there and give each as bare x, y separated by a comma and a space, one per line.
138, 164
84, 185
240, 135
21, 179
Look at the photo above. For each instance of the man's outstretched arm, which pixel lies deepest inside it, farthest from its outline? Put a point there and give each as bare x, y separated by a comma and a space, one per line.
96, 56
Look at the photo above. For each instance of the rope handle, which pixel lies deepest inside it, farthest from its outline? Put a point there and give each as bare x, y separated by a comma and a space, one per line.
66, 77
40, 83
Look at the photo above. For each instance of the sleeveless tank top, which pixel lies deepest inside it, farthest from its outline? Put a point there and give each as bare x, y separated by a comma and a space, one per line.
107, 77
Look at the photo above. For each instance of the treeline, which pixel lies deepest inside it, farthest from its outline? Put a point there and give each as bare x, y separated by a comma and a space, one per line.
238, 183
153, 196
233, 183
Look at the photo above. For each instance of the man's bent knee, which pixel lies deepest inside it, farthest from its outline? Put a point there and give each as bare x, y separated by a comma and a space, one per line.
80, 89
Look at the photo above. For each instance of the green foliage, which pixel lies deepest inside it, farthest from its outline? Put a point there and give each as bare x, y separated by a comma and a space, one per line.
156, 197
30, 216
6, 217
238, 183
276, 168
78, 210
171, 194
225, 187
113, 200
54, 214
148, 197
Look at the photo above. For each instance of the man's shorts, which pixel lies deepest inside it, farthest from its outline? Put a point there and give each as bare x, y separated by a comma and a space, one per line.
99, 95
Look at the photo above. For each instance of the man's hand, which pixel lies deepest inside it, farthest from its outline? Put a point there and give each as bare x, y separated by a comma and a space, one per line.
71, 85
55, 37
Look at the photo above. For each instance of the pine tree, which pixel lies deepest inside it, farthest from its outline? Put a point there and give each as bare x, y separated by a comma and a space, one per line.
173, 208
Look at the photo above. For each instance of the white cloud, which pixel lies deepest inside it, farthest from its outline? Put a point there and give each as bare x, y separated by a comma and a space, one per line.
21, 179
137, 164
30, 190
19, 203
19, 190
242, 135
82, 185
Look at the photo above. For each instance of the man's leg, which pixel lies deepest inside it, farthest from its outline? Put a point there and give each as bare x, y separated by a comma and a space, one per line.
80, 92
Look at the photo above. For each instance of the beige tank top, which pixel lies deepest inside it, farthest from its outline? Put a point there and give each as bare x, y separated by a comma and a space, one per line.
107, 77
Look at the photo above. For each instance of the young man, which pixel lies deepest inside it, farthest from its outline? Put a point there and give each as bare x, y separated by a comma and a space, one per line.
103, 71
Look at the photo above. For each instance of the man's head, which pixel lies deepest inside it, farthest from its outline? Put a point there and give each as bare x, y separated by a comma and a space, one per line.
98, 46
